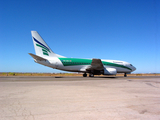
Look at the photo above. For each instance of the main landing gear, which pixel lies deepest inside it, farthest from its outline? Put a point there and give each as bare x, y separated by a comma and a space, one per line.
125, 75
91, 75
84, 75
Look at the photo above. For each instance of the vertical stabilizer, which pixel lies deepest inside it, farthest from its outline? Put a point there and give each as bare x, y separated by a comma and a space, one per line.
41, 48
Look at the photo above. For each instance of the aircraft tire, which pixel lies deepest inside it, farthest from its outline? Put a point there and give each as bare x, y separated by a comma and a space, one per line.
125, 75
91, 75
84, 75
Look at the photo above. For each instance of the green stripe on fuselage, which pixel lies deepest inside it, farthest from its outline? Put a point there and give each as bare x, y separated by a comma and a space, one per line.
78, 61
115, 65
75, 61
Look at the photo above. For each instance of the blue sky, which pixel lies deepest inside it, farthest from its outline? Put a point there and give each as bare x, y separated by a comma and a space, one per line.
127, 30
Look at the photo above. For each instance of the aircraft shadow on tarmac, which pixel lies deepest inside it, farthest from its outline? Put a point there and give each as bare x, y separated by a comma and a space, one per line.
87, 77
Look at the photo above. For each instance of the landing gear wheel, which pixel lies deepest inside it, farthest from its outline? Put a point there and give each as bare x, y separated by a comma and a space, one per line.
84, 75
125, 75
91, 75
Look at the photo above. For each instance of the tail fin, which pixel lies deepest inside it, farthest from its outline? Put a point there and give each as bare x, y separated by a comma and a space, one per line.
41, 48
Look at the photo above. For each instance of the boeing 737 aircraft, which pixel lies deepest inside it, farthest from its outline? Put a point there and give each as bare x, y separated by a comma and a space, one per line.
45, 56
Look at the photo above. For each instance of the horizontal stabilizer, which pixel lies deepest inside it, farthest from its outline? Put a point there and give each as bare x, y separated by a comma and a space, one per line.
37, 57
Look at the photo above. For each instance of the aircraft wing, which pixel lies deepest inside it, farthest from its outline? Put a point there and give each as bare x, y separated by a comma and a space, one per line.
37, 57
96, 65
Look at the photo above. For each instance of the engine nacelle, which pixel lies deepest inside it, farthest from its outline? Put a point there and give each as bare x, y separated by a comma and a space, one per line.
110, 71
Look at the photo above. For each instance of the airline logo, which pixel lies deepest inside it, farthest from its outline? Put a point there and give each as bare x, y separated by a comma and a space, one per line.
45, 49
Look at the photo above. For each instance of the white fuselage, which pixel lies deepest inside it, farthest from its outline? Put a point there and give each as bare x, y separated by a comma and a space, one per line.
57, 64
45, 56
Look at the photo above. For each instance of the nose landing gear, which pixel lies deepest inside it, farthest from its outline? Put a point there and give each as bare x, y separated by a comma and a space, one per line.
125, 75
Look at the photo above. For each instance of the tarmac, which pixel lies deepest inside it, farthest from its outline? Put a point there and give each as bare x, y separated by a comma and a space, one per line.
79, 98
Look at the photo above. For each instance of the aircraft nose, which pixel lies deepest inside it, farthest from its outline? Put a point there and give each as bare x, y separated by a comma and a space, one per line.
134, 68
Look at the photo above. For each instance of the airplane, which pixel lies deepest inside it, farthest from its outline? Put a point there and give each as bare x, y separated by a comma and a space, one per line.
45, 56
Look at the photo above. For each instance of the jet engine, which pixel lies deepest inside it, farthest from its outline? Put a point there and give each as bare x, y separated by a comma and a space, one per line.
110, 71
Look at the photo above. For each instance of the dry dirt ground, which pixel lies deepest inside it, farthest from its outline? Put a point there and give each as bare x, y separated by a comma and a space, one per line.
78, 98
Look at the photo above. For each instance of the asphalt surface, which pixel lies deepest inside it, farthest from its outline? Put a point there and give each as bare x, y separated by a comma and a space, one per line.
78, 98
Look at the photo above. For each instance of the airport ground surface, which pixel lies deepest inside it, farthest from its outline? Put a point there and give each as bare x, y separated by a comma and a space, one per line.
78, 98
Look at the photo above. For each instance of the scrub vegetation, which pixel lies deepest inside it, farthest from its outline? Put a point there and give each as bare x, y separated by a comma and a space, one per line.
38, 74
67, 74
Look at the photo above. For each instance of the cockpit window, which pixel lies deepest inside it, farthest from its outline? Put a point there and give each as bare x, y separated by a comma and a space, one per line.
131, 65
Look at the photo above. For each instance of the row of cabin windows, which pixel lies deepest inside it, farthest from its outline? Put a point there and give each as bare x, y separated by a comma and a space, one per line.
82, 63
75, 63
